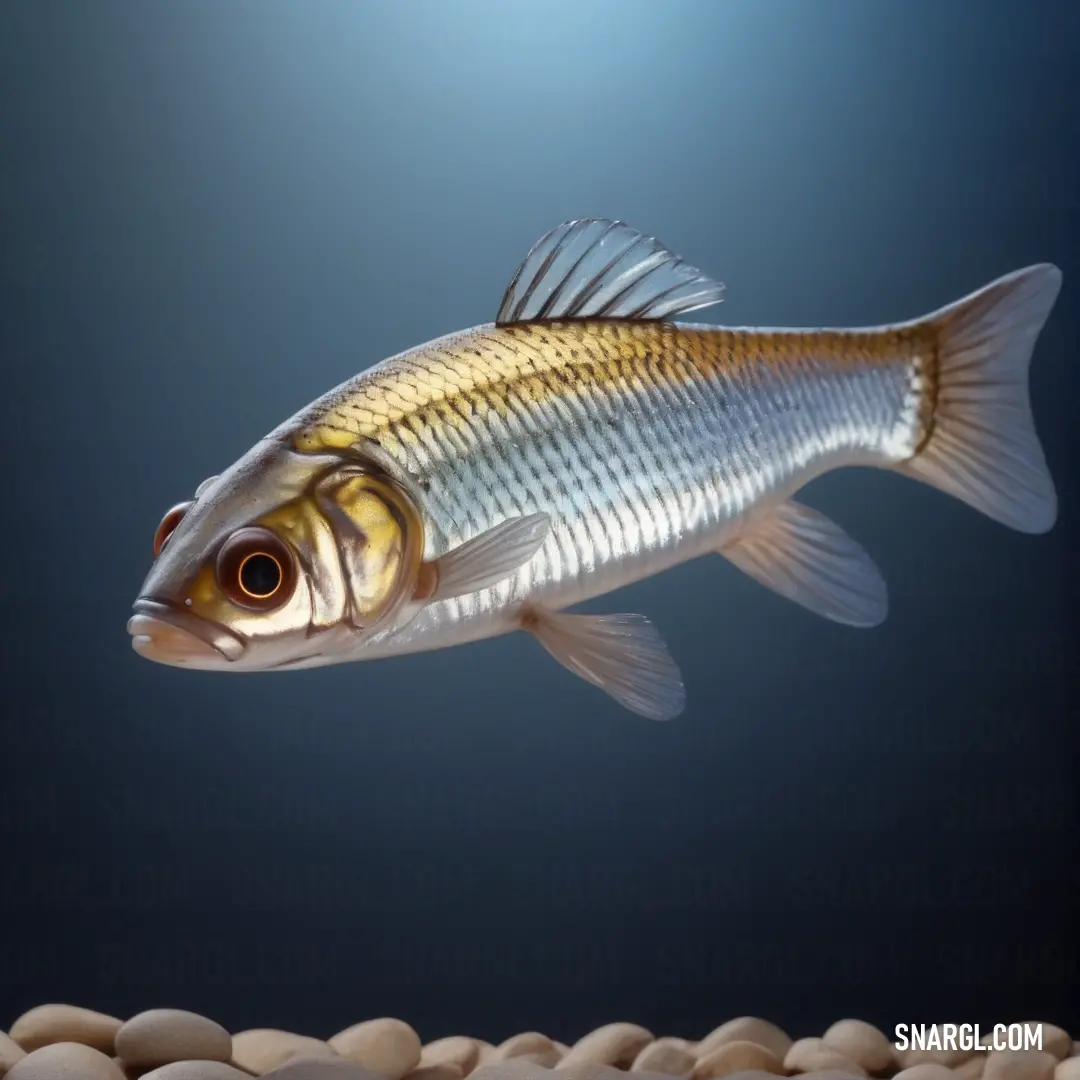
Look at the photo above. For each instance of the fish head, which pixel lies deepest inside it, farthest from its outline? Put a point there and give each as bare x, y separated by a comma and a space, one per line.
287, 559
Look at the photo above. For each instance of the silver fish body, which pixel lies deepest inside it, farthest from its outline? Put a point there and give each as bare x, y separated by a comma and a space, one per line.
658, 464
490, 480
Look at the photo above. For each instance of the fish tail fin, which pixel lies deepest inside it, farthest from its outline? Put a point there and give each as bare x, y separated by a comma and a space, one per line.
980, 443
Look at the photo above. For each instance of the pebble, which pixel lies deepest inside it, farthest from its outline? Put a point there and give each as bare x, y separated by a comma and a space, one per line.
10, 1052
65, 1061
538, 1048
1019, 1065
457, 1050
1069, 1069
824, 1074
444, 1070
815, 1055
949, 1058
588, 1070
863, 1043
259, 1050
616, 1044
196, 1070
928, 1070
386, 1046
688, 1045
310, 1068
972, 1069
517, 1068
747, 1029
729, 1057
1055, 1040
48, 1024
755, 1074
612, 1044
665, 1056
162, 1036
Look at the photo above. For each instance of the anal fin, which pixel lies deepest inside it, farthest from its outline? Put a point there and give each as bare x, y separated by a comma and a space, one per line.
623, 655
802, 555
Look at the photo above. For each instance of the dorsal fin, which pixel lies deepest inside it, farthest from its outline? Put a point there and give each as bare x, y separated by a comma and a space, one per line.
601, 269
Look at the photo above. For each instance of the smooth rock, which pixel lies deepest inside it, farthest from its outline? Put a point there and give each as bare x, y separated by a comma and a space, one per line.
688, 1045
1055, 1040
309, 1068
751, 1074
47, 1024
1019, 1065
65, 1061
972, 1069
196, 1070
457, 1050
862, 1043
612, 1044
386, 1046
815, 1055
1069, 1069
825, 1074
531, 1044
130, 1072
487, 1051
517, 1068
445, 1070
664, 1056
730, 1057
162, 1036
928, 1070
747, 1029
906, 1059
586, 1070
10, 1052
259, 1050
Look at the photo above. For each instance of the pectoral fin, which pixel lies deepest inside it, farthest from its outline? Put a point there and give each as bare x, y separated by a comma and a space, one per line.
804, 556
622, 654
485, 559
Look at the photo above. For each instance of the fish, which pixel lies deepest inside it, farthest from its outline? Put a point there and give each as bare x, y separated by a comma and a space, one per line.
493, 479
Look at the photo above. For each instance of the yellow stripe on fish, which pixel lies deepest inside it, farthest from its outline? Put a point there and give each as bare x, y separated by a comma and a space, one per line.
488, 366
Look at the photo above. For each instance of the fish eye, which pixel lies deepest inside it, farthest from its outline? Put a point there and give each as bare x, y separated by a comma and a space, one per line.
168, 525
256, 569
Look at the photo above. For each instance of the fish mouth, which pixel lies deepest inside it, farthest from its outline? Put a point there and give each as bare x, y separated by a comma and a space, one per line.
169, 633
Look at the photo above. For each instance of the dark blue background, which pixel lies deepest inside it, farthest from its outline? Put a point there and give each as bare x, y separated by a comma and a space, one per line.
211, 212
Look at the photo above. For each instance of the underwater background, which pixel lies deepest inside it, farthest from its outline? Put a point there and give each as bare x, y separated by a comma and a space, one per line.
212, 213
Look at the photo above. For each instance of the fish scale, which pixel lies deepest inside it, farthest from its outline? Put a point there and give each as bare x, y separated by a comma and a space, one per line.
675, 430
